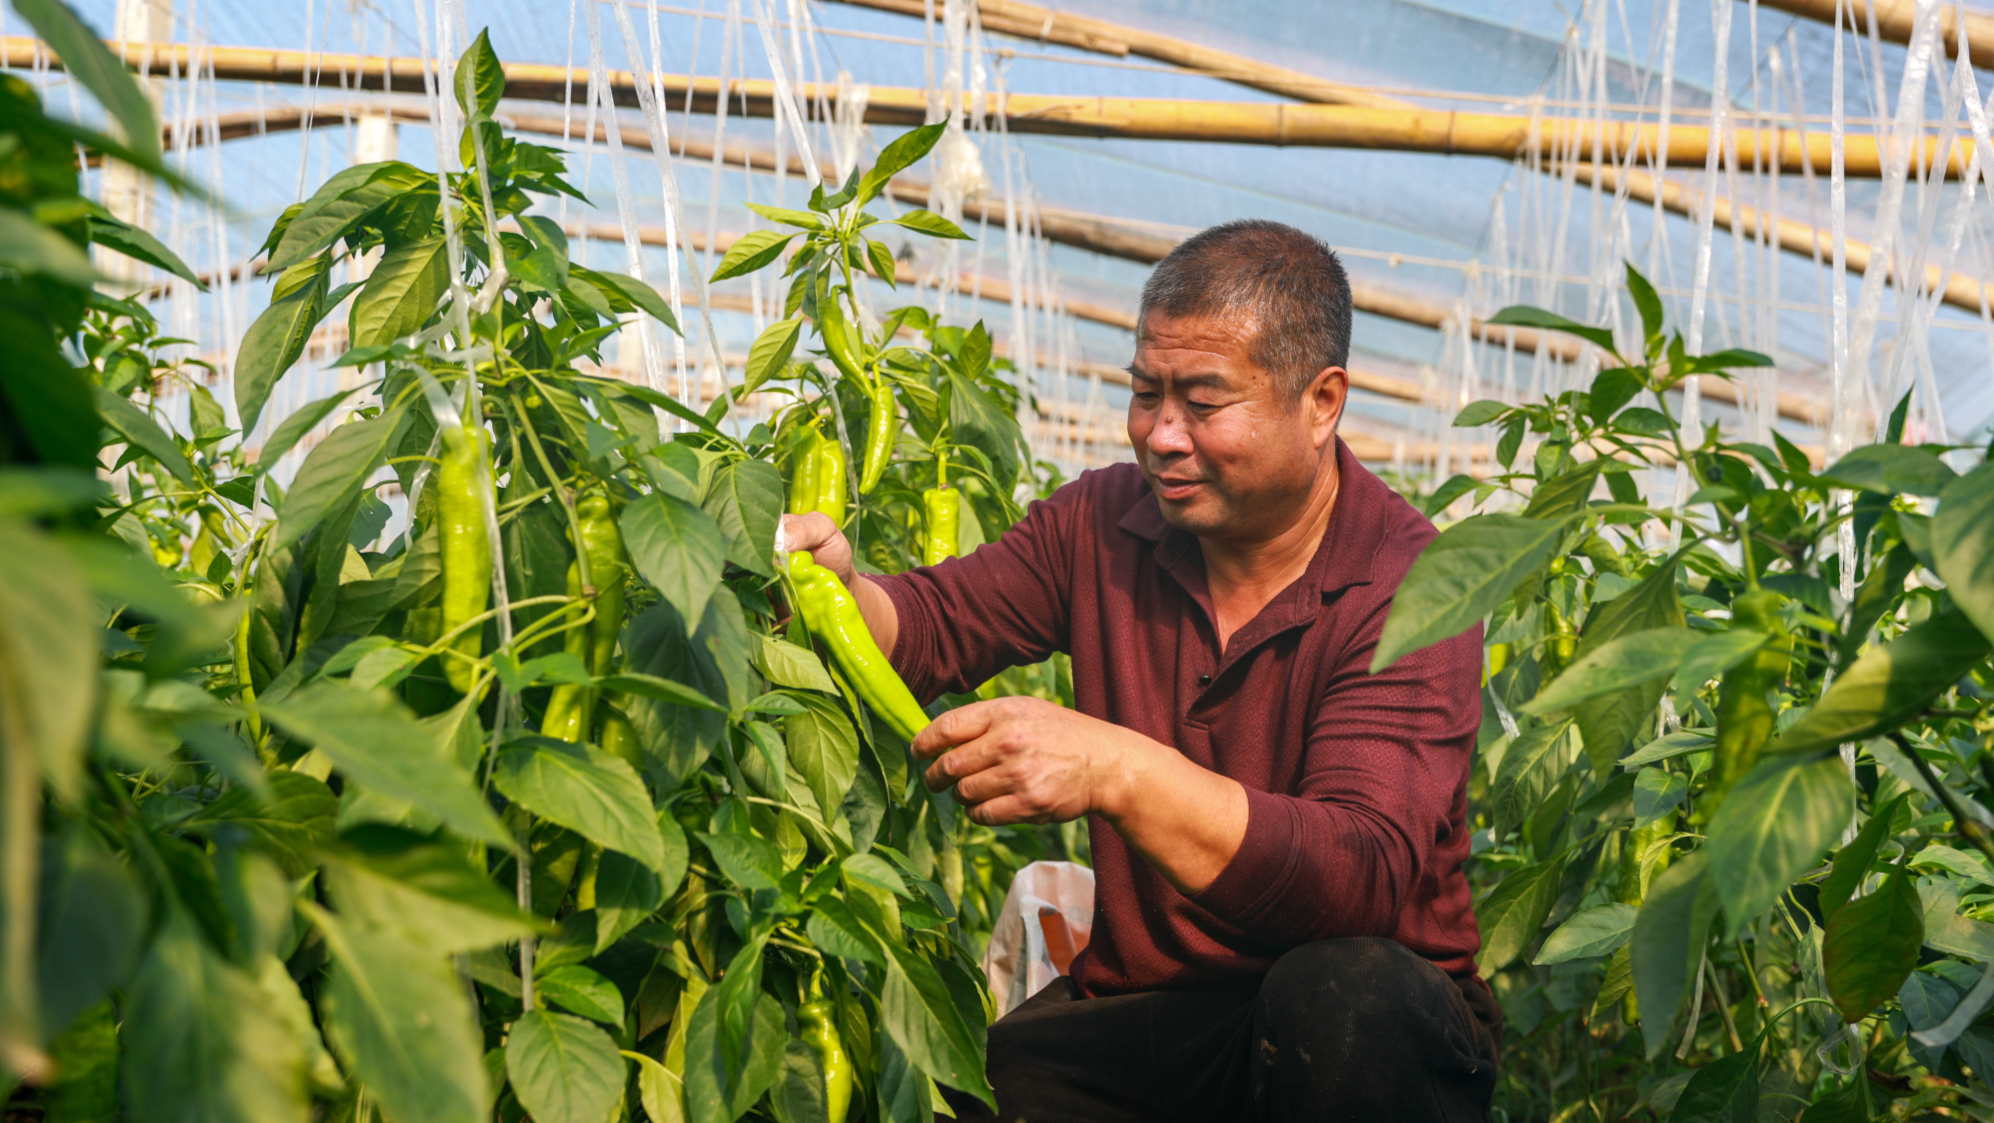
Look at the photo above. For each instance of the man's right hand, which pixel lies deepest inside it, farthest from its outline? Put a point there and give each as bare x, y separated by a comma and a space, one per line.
816, 533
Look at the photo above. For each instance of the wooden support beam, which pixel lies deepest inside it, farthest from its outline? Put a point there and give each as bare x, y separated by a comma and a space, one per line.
1495, 135
1895, 20
1030, 21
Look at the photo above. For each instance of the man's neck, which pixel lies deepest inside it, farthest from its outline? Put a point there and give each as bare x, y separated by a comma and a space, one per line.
1243, 575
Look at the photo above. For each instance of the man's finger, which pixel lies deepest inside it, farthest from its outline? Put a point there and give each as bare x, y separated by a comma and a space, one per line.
1001, 811
957, 763
953, 728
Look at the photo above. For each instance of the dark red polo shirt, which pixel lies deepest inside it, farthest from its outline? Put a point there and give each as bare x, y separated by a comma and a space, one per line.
1356, 783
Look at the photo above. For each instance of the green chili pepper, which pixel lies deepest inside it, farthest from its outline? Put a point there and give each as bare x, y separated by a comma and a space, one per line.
943, 507
1637, 872
571, 710
832, 615
243, 676
882, 427
1559, 645
818, 1027
467, 550
618, 737
829, 478
1498, 659
803, 474
838, 341
1744, 697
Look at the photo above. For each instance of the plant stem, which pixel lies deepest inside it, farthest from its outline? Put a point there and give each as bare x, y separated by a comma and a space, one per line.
1968, 827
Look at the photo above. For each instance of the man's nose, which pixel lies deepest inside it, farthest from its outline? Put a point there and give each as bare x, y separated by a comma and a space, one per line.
1170, 435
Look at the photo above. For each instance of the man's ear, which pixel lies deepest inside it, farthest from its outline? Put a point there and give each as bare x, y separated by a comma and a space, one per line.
1324, 398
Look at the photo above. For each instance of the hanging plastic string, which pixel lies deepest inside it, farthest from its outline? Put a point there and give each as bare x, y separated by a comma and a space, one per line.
727, 44
1899, 138
784, 94
599, 94
1706, 212
1841, 426
661, 152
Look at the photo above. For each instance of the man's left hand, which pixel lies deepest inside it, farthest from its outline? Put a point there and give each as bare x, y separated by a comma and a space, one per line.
1024, 760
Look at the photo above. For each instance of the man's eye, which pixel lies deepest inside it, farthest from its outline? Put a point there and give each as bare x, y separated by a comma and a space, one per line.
1147, 397
1204, 407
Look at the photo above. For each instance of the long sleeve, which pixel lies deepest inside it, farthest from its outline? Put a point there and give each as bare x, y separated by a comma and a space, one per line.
1004, 605
1383, 781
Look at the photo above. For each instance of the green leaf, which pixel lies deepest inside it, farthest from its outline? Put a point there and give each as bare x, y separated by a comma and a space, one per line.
627, 892
804, 219
1513, 912
31, 249
48, 653
593, 793
1460, 578
1852, 865
93, 65
1724, 1091
1480, 412
92, 926
1447, 493
276, 340
375, 741
930, 223
1963, 547
293, 428
401, 293
824, 749
131, 423
678, 548
1725, 360
747, 860
1657, 792
397, 881
659, 689
1889, 469
582, 990
1872, 945
294, 818
640, 296
750, 252
1848, 1105
1716, 653
1523, 315
1530, 768
835, 930
720, 1090
333, 472
798, 1095
1617, 665
1668, 943
201, 1045
1646, 302
745, 501
1889, 685
919, 1014
786, 664
479, 84
771, 351
399, 1017
897, 157
1567, 494
135, 243
1613, 388
1600, 930
1785, 815
660, 1090
50, 400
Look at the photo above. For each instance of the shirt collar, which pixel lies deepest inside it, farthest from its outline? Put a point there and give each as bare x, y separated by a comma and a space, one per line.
1349, 548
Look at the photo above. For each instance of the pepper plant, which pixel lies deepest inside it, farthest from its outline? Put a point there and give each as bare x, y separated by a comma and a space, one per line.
1731, 826
534, 798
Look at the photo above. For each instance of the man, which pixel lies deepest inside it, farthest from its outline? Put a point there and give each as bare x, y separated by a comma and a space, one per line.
1282, 930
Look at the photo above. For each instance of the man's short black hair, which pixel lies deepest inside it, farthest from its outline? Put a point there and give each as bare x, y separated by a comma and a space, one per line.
1290, 283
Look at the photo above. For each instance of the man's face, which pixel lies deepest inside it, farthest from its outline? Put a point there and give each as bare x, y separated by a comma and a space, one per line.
1226, 454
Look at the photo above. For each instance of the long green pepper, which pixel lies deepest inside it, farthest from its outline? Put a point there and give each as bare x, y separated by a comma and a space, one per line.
571, 709
467, 548
832, 615
817, 1026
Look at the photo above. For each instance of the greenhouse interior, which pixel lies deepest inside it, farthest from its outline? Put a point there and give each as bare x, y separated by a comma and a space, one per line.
419, 701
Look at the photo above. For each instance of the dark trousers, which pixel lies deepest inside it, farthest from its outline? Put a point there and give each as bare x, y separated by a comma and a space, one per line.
1355, 1029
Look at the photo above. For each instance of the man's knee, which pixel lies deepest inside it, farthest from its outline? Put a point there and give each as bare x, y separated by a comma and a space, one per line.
1359, 995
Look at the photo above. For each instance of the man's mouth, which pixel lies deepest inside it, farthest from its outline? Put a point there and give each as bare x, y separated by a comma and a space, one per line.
1176, 489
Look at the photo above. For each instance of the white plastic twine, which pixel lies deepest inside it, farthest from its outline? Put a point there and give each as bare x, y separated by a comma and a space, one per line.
785, 96
1699, 293
650, 99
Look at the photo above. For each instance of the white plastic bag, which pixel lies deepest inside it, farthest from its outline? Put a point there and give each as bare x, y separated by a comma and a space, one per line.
1046, 921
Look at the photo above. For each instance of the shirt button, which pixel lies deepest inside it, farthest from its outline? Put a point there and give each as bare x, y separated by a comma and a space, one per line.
1204, 680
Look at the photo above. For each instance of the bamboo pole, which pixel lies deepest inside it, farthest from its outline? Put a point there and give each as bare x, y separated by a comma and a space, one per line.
1445, 132
1895, 20
1030, 21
